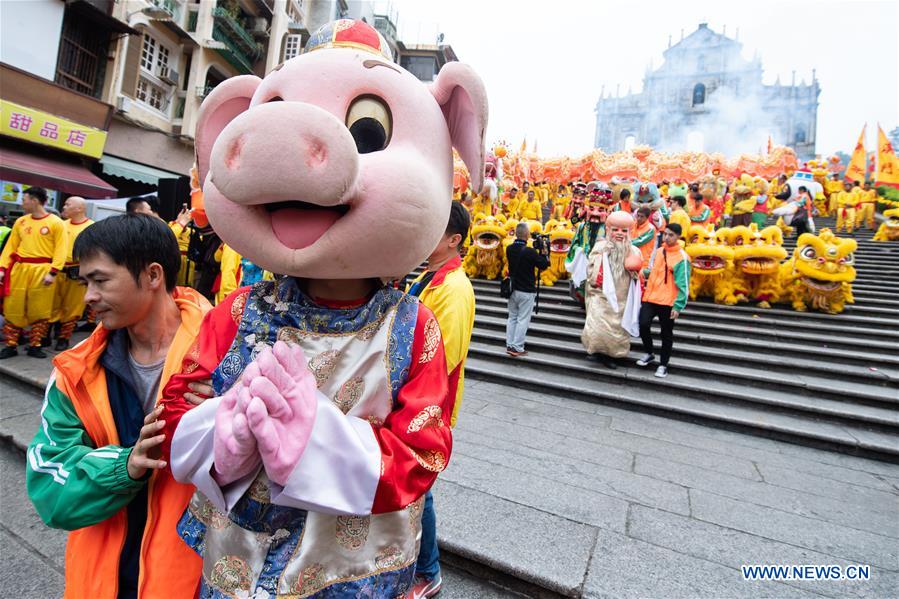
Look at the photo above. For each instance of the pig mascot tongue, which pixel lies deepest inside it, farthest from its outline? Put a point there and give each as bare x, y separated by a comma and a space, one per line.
331, 415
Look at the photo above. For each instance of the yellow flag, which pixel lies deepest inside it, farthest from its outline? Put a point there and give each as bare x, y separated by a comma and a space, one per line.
887, 163
856, 169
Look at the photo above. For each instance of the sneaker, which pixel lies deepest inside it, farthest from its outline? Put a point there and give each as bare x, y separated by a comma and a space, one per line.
36, 352
9, 352
517, 354
662, 372
423, 588
645, 360
61, 345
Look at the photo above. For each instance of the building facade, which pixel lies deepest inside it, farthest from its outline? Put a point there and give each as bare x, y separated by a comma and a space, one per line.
706, 96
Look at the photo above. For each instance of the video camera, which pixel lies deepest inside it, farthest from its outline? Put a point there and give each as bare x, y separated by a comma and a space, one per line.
541, 242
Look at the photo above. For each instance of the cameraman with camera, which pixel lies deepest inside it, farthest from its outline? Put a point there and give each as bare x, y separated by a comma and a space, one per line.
524, 265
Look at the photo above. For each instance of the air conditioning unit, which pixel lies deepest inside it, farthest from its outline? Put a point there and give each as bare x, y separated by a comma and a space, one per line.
123, 104
260, 28
170, 75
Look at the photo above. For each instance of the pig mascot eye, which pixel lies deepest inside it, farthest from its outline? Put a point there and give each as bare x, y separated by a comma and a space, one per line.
369, 122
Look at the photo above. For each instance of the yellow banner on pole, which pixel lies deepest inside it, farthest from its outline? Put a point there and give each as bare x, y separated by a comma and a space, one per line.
856, 169
48, 130
887, 162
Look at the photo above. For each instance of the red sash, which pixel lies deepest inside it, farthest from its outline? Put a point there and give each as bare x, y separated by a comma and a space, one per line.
15, 259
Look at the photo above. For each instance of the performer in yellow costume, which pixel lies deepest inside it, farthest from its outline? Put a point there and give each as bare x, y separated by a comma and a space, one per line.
180, 228
35, 252
560, 202
831, 189
867, 202
530, 208
482, 204
846, 202
68, 303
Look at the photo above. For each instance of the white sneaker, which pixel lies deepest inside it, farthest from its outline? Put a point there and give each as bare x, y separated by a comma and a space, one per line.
645, 360
662, 372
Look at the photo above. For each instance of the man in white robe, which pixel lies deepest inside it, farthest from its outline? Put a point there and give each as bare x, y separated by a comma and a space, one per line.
613, 292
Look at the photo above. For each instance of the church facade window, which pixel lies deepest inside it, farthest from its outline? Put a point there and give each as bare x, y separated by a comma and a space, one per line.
698, 94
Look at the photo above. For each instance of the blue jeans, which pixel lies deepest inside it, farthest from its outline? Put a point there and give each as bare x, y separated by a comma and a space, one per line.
428, 564
521, 306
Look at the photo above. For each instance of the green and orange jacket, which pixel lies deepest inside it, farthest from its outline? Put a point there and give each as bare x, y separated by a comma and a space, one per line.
668, 278
77, 475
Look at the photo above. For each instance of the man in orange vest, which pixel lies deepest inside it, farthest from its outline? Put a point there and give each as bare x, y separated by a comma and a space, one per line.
91, 466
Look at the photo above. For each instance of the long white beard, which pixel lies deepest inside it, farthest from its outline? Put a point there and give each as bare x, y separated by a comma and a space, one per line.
618, 251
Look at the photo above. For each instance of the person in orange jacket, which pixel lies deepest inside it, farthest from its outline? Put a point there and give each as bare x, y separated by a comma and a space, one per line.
665, 296
91, 466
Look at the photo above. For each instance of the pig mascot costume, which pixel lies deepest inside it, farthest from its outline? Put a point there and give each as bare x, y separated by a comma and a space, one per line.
331, 415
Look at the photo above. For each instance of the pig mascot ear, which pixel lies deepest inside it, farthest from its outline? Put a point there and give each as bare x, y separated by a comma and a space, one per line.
229, 99
463, 99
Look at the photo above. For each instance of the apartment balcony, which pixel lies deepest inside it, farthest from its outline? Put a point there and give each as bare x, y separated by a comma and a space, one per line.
241, 49
178, 19
386, 27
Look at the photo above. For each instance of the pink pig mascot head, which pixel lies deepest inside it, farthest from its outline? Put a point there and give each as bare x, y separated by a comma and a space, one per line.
338, 165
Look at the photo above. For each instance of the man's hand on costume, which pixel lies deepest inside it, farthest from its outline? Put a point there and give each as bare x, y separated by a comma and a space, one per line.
141, 458
282, 410
234, 446
48, 279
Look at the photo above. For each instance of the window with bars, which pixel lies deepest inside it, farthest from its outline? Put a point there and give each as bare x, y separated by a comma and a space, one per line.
81, 63
292, 45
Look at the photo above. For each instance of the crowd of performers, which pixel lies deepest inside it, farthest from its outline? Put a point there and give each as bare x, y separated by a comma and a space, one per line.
732, 230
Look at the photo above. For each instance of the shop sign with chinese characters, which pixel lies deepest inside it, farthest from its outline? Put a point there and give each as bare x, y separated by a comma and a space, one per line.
45, 129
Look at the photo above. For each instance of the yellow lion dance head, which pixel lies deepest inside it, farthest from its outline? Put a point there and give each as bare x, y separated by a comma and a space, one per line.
822, 271
889, 229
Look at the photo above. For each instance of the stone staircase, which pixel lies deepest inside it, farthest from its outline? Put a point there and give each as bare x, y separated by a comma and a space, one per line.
829, 381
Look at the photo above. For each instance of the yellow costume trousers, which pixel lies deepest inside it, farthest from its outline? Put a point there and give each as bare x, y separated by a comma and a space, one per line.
68, 305
29, 300
865, 215
845, 219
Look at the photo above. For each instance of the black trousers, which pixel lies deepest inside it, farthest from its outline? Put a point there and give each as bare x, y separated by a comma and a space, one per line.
648, 312
801, 226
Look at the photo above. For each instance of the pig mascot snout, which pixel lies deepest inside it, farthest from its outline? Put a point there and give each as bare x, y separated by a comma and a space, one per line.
332, 408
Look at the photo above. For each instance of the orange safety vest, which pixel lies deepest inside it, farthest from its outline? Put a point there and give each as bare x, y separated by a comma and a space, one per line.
168, 567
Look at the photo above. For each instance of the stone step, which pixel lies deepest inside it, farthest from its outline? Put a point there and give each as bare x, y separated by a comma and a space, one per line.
886, 365
786, 360
808, 334
875, 404
772, 317
677, 398
868, 298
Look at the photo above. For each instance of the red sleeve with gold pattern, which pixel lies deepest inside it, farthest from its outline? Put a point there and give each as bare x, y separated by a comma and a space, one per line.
416, 438
209, 348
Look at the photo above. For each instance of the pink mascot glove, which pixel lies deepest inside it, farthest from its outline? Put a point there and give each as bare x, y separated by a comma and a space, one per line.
282, 409
234, 446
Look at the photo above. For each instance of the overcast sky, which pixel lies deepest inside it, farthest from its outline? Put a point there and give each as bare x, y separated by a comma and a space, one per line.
544, 63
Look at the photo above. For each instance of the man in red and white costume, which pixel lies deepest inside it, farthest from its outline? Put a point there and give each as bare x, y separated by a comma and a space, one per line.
331, 416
